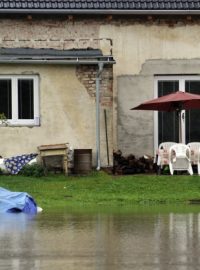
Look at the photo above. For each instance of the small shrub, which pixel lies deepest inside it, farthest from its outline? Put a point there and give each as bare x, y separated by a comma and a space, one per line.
3, 119
34, 169
166, 170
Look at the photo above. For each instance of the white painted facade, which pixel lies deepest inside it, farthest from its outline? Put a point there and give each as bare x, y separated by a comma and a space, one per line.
142, 51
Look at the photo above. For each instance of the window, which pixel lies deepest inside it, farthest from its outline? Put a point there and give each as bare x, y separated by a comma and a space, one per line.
166, 124
19, 99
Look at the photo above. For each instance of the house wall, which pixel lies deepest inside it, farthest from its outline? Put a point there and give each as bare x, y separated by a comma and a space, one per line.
67, 110
67, 93
142, 51
142, 47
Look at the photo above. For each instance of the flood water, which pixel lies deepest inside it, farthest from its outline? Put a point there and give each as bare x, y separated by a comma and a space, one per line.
146, 238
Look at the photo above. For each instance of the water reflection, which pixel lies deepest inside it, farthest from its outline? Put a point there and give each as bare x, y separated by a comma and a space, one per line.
100, 240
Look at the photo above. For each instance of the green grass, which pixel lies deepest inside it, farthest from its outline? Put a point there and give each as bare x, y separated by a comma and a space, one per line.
99, 188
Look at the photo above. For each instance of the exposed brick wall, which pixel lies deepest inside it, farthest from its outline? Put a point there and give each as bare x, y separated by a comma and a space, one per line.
61, 32
87, 76
52, 33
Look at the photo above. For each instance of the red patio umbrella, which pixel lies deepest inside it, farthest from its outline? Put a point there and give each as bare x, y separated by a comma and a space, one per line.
176, 101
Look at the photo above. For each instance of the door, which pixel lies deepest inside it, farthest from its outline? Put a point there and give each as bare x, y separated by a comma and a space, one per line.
192, 121
166, 123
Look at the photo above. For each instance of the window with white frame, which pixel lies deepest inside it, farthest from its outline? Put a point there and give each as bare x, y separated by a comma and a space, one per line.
19, 99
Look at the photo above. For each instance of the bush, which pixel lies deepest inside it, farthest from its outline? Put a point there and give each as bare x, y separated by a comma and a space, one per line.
34, 169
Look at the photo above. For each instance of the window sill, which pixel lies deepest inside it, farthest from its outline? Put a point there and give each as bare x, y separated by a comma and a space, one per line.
19, 125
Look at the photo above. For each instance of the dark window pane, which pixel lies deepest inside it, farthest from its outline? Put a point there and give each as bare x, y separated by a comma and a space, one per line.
167, 121
5, 98
192, 116
25, 99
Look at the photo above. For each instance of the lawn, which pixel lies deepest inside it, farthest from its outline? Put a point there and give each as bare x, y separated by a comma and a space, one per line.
100, 188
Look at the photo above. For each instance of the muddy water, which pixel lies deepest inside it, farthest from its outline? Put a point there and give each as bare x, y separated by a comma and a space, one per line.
102, 239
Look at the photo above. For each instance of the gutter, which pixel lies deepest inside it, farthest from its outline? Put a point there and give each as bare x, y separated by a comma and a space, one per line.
57, 61
101, 11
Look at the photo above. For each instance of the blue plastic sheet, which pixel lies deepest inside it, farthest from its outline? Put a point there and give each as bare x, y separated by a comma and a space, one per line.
16, 202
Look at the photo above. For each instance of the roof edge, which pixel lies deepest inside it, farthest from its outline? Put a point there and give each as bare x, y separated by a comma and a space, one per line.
100, 12
53, 56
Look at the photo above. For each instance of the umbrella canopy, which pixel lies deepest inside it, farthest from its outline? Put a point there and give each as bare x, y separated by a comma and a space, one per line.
176, 101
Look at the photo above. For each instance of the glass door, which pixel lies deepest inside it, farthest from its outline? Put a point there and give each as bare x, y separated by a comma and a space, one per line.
166, 126
167, 121
193, 115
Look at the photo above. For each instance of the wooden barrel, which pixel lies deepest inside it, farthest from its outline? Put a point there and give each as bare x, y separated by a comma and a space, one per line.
82, 161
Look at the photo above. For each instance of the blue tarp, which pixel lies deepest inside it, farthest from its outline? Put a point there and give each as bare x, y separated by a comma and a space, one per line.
16, 202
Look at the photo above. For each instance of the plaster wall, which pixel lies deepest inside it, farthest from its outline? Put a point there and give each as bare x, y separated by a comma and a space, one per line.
67, 113
141, 50
67, 107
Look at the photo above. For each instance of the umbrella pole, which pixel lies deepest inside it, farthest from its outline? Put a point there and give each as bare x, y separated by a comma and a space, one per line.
180, 127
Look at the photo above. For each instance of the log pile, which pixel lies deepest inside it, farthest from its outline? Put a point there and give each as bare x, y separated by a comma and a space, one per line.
132, 165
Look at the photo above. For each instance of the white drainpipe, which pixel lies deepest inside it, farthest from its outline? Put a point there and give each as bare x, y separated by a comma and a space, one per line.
98, 77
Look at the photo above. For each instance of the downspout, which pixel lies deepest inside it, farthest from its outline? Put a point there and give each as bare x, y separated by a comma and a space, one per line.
98, 77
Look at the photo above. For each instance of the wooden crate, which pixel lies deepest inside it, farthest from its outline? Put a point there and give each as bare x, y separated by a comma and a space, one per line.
48, 154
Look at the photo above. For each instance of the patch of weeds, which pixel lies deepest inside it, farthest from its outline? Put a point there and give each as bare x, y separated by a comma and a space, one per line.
166, 170
34, 169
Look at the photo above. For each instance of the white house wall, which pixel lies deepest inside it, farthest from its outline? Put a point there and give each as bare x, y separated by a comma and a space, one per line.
141, 49
67, 112
67, 98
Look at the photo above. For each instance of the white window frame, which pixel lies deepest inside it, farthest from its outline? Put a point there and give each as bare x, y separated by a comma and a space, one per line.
15, 121
181, 79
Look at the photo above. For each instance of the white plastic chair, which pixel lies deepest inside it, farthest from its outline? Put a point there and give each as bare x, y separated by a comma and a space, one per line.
198, 163
180, 158
195, 154
163, 154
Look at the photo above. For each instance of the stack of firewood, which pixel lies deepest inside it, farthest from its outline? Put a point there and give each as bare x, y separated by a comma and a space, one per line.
132, 165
